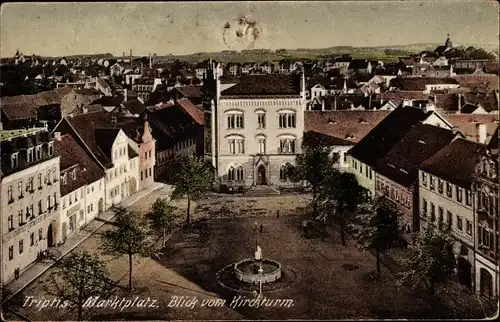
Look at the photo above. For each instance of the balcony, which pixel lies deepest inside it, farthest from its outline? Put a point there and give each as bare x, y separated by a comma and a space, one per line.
11, 200
21, 197
11, 229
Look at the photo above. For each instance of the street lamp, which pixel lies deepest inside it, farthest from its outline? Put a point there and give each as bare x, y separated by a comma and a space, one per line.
255, 229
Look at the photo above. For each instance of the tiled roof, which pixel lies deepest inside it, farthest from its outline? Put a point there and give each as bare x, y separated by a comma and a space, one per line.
265, 85
348, 127
71, 154
400, 95
467, 123
478, 81
109, 100
487, 100
383, 137
134, 106
420, 143
190, 91
86, 125
23, 109
195, 113
455, 163
104, 138
419, 83
493, 144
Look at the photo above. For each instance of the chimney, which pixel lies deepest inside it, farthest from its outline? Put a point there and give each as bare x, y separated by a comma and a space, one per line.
150, 62
131, 66
481, 133
85, 109
335, 102
345, 86
322, 105
57, 136
370, 101
459, 101
125, 95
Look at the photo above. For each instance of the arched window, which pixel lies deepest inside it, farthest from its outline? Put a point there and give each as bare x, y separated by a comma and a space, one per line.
283, 172
235, 173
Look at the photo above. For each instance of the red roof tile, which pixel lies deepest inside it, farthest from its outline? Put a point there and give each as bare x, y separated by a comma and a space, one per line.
467, 123
195, 113
350, 126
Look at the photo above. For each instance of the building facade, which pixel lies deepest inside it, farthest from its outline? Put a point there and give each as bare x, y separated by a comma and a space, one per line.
256, 127
29, 198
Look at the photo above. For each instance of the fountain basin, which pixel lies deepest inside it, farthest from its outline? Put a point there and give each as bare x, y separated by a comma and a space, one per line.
246, 271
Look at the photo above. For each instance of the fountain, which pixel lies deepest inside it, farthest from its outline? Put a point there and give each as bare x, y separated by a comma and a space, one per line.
257, 271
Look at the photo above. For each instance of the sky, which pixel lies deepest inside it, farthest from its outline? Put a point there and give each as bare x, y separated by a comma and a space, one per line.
58, 29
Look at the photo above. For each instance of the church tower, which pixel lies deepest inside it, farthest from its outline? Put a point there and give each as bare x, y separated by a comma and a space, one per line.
448, 42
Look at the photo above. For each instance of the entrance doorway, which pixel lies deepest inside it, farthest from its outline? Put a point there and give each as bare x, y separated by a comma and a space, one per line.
464, 270
261, 175
50, 235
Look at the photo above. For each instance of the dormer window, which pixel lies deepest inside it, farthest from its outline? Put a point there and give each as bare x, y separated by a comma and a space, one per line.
51, 148
73, 174
14, 160
64, 178
38, 152
29, 156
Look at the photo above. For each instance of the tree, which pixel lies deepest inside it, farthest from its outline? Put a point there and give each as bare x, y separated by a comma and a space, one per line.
433, 261
193, 179
313, 165
79, 277
339, 199
130, 237
161, 217
377, 227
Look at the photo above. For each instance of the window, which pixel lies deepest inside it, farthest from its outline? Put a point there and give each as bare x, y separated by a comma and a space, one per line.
235, 121
424, 207
432, 183
361, 168
38, 152
459, 223
283, 172
64, 203
11, 252
449, 190
81, 215
11, 222
21, 244
287, 146
9, 194
235, 174
142, 175
459, 194
433, 212
40, 207
48, 202
449, 219
484, 237
70, 198
73, 174
30, 184
424, 179
32, 239
287, 120
51, 148
468, 198
355, 165
236, 146
40, 234
469, 228
370, 173
30, 155
441, 214
261, 121
440, 186
14, 160
55, 198
262, 146
149, 153
40, 181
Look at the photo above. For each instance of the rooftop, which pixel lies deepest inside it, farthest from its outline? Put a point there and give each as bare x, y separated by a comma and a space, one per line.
6, 135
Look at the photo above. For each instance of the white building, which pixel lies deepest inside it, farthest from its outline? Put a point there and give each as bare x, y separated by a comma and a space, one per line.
82, 186
446, 200
256, 129
29, 198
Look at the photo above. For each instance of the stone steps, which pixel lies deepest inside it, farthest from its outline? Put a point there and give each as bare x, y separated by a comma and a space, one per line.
262, 191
